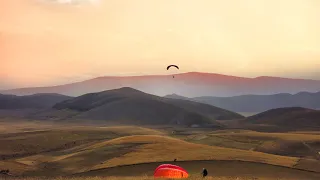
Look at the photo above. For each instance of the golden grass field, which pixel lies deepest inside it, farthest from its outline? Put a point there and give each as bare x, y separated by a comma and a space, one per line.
35, 150
144, 178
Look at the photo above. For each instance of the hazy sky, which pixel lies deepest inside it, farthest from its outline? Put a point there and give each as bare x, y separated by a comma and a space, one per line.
46, 42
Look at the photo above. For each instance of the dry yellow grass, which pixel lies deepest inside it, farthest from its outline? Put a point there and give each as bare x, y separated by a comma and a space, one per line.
123, 145
295, 144
142, 149
130, 130
252, 140
57, 137
283, 136
161, 148
16, 125
17, 167
19, 125
28, 145
148, 178
306, 132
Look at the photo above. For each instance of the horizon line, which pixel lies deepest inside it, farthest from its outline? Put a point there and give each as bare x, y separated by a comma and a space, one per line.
158, 75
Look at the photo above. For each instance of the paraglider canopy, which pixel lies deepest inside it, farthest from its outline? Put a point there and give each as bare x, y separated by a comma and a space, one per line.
170, 171
172, 66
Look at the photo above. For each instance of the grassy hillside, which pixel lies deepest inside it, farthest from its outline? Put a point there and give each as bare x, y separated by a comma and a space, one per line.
295, 117
31, 101
158, 146
75, 150
136, 149
305, 146
204, 109
216, 169
34, 142
130, 106
288, 144
152, 178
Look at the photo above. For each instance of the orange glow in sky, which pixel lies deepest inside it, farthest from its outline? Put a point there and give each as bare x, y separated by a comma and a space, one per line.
45, 43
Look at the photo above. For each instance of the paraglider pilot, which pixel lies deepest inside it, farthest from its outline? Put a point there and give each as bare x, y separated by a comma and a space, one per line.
204, 172
172, 66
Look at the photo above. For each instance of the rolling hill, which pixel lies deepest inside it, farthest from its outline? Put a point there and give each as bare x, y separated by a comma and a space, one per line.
205, 109
259, 103
130, 106
294, 117
37, 101
150, 151
63, 151
135, 149
192, 84
291, 144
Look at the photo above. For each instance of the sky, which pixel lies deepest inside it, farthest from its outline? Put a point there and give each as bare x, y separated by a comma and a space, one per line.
50, 42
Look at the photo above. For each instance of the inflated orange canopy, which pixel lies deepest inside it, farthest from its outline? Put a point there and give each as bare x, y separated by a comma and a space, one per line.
170, 171
169, 166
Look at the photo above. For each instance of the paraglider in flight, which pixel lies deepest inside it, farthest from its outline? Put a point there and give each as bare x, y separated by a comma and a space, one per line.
172, 66
170, 171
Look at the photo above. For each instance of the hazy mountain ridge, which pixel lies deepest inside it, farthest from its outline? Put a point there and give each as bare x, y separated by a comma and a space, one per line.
130, 106
259, 103
192, 84
206, 109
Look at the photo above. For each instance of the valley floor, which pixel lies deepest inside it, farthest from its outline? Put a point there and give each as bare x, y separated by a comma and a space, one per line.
148, 178
31, 150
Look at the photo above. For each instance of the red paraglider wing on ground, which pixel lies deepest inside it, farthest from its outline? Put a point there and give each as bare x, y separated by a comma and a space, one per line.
170, 171
170, 166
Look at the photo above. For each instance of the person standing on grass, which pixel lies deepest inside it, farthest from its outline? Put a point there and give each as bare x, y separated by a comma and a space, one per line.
204, 172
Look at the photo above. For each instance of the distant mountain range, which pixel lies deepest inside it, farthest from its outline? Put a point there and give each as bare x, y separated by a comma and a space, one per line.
133, 107
259, 103
192, 84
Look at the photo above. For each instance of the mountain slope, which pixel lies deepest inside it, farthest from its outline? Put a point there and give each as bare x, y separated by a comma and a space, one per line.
191, 84
176, 96
31, 101
205, 109
295, 117
130, 106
